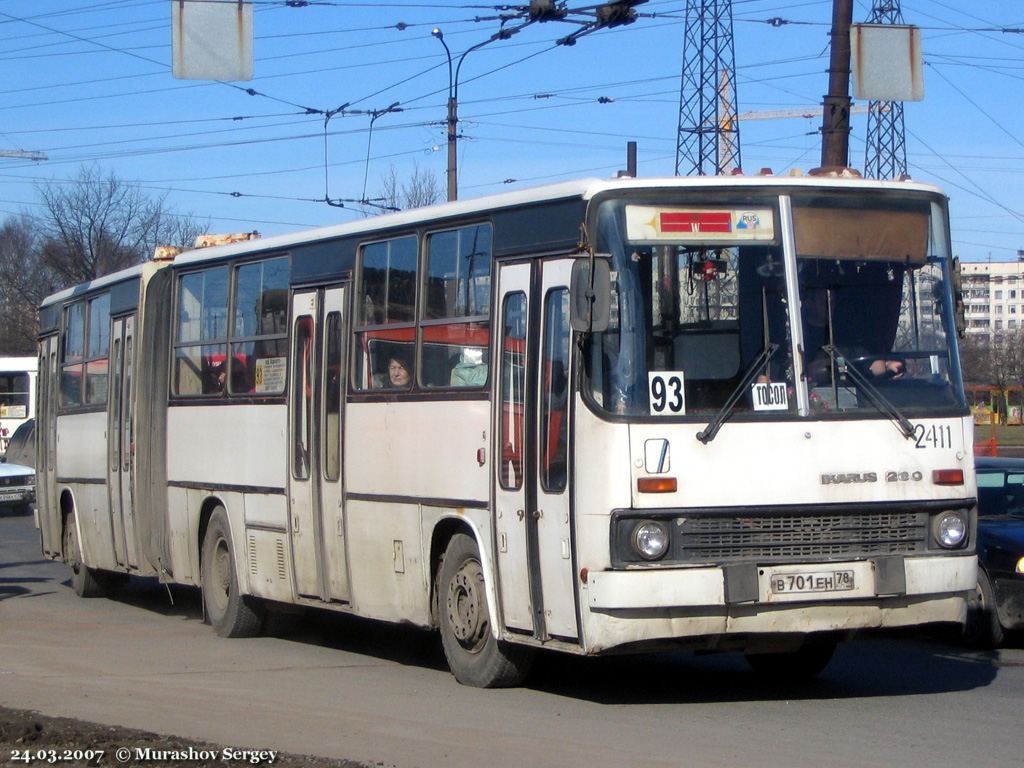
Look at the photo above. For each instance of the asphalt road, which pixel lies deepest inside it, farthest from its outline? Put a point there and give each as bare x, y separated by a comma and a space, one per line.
343, 688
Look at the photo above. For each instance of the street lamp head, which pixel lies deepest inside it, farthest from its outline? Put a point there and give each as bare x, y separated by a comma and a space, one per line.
436, 32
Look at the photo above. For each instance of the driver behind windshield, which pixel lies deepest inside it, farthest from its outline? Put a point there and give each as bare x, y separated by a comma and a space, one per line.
814, 311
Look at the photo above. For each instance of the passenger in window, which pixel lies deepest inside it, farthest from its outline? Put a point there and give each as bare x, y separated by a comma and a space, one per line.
399, 376
471, 370
217, 379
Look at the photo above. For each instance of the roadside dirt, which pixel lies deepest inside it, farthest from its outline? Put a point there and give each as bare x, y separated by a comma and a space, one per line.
29, 738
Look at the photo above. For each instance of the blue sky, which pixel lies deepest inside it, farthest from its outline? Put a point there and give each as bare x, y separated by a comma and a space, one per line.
90, 83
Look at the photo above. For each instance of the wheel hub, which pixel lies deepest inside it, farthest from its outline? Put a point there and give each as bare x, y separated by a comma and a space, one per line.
465, 603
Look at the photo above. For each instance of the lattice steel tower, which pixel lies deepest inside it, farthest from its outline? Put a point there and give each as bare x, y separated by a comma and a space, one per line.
885, 155
709, 133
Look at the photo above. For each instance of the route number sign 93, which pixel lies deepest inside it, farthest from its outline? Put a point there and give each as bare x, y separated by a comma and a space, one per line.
666, 393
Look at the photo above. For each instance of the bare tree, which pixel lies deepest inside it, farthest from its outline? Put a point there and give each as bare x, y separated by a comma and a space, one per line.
997, 362
415, 191
92, 227
99, 225
24, 282
976, 359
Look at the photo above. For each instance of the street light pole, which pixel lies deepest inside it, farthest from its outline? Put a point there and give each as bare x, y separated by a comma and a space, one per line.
453, 102
453, 121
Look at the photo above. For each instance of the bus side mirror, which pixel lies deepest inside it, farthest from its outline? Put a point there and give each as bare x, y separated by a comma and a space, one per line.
590, 295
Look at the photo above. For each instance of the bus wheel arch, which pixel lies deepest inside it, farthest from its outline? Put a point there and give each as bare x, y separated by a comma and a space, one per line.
475, 655
231, 613
84, 580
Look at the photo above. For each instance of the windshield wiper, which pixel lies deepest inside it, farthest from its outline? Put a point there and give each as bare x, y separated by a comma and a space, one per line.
880, 401
707, 434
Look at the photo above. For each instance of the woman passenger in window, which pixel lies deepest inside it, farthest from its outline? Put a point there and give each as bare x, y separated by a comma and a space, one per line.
398, 373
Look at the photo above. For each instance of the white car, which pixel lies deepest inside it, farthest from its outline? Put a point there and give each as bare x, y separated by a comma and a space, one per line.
17, 487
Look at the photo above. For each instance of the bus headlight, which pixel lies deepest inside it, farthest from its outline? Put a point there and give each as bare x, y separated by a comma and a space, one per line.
951, 529
650, 539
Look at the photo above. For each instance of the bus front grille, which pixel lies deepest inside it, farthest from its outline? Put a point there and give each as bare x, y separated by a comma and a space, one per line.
766, 538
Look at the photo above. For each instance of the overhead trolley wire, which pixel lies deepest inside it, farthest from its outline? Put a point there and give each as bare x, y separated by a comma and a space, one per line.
249, 91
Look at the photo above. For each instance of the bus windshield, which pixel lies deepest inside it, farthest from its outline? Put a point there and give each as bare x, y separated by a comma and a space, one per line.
705, 308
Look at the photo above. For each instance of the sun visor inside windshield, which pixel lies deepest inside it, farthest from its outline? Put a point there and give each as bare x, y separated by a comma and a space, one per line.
865, 235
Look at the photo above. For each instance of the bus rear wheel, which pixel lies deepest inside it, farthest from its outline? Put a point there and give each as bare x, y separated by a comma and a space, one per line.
475, 656
229, 612
84, 580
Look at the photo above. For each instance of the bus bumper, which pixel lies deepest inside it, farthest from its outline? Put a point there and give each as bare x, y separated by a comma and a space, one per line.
638, 606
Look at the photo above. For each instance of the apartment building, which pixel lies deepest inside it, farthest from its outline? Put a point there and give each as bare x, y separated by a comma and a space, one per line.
993, 296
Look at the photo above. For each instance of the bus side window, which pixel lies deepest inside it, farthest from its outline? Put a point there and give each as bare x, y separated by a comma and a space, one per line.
554, 391
259, 328
455, 307
201, 330
385, 310
302, 396
513, 391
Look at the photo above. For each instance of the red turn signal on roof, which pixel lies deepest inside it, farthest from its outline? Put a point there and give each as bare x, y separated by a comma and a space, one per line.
656, 485
948, 476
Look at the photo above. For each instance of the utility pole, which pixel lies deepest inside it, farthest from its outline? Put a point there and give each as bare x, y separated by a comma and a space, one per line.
835, 122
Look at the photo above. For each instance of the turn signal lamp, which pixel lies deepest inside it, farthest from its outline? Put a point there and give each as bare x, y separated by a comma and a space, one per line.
1020, 565
656, 485
948, 476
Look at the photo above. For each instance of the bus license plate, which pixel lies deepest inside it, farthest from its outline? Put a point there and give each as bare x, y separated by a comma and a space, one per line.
813, 581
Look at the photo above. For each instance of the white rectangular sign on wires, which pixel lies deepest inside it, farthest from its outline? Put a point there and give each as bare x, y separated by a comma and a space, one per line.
211, 39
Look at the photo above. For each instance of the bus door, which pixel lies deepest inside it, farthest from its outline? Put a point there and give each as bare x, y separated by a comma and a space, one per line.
532, 516
121, 440
315, 425
46, 447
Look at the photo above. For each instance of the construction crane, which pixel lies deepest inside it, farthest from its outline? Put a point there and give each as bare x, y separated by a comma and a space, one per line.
23, 154
779, 114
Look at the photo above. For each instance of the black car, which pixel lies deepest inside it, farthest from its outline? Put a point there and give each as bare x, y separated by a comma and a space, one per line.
22, 447
999, 603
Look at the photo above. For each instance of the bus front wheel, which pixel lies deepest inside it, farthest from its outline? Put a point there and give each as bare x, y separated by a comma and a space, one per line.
229, 612
475, 656
983, 628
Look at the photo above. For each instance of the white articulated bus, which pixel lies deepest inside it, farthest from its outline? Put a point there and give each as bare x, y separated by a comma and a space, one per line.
17, 395
713, 413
